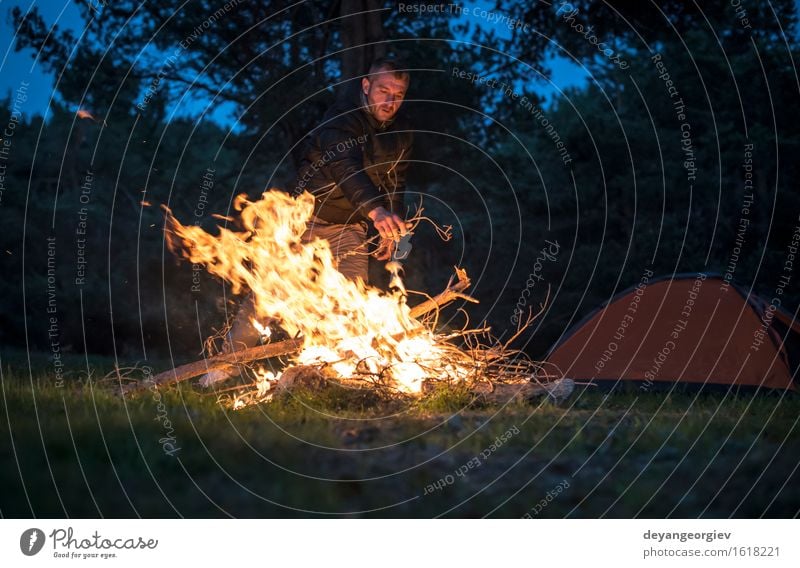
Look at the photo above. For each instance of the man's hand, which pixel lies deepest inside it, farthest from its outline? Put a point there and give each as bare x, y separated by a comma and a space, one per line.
389, 225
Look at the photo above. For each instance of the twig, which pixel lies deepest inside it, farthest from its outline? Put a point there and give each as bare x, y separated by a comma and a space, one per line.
522, 326
452, 292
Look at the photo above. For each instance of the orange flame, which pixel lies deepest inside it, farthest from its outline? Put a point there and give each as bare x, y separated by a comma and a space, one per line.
355, 328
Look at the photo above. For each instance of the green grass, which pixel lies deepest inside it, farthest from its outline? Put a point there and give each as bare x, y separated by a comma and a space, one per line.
77, 450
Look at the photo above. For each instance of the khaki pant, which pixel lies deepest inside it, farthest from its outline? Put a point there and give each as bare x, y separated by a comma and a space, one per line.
343, 239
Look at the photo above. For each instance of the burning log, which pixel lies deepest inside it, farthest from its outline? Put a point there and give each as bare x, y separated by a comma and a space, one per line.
452, 292
192, 370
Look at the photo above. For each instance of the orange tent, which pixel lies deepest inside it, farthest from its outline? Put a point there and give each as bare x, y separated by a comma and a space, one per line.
687, 329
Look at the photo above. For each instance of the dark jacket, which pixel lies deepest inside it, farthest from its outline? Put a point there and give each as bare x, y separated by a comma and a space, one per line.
352, 163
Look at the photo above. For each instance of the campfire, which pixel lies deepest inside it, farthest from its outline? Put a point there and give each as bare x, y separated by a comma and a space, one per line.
342, 330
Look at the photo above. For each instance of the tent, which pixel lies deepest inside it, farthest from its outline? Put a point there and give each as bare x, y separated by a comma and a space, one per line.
697, 329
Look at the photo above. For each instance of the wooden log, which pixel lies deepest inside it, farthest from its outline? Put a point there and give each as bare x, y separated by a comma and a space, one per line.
191, 370
452, 292
503, 393
306, 376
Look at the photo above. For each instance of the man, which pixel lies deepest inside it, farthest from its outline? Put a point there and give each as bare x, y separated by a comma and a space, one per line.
354, 163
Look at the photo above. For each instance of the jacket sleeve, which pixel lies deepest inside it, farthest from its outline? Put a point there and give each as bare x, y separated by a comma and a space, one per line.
346, 168
397, 181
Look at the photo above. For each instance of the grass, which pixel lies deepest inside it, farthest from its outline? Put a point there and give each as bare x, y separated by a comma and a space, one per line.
78, 451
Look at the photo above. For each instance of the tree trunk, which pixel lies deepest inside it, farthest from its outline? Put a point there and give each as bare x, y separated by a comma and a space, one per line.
362, 26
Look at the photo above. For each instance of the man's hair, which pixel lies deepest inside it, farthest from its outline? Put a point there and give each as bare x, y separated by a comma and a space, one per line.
389, 65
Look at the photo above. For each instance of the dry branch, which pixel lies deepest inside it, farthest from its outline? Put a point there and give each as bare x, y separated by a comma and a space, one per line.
452, 292
191, 370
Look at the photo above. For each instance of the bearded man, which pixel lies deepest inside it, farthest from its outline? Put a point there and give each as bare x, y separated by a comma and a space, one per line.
354, 163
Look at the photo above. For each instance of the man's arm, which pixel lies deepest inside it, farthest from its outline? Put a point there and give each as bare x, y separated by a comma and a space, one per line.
397, 182
346, 166
390, 223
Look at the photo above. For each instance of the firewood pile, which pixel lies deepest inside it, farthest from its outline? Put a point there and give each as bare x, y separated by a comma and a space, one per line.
499, 374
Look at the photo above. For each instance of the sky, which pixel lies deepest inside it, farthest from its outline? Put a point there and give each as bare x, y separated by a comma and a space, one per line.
16, 67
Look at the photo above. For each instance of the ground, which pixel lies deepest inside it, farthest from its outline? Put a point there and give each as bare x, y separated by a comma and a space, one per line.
77, 450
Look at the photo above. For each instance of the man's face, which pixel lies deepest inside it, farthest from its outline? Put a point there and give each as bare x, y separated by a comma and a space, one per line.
384, 94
